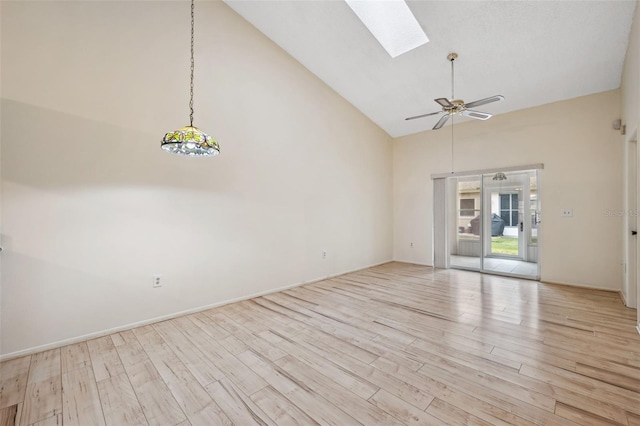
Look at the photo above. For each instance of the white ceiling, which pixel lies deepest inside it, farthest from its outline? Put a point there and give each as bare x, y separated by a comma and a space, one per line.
532, 52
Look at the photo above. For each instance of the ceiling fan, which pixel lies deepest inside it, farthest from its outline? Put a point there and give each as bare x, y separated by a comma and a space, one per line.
458, 106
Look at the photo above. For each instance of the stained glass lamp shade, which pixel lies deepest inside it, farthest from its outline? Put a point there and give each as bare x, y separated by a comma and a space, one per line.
190, 141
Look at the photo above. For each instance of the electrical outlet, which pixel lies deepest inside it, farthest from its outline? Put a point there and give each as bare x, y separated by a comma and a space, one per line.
324, 254
566, 212
156, 281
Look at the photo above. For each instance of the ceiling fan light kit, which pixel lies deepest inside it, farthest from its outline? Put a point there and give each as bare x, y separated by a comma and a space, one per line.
458, 106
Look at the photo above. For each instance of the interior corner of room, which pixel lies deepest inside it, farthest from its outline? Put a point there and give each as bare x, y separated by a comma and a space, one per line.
102, 230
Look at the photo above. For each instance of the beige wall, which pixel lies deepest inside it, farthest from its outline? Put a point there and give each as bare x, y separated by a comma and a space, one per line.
582, 170
92, 207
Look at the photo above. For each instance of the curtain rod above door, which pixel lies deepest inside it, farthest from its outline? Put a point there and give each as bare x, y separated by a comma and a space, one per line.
538, 166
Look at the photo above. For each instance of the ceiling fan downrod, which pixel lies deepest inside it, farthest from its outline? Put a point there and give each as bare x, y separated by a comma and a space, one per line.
452, 57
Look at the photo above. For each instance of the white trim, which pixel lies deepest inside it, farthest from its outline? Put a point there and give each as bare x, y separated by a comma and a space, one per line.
538, 166
94, 335
587, 286
638, 328
624, 299
411, 262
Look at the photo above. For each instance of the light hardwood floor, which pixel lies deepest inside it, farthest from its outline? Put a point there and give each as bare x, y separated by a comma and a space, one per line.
391, 345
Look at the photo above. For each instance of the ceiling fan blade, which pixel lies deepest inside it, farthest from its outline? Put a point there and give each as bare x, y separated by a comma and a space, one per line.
423, 115
444, 102
476, 114
441, 122
485, 101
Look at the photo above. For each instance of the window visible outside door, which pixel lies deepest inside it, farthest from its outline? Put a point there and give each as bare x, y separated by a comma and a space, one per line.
509, 209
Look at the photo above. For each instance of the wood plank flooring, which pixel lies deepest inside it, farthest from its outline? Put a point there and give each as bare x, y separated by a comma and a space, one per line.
397, 344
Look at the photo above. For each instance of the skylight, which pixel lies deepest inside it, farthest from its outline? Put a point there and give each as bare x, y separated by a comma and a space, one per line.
391, 23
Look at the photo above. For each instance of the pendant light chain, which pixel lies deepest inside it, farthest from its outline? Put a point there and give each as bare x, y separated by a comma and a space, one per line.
192, 68
189, 140
452, 164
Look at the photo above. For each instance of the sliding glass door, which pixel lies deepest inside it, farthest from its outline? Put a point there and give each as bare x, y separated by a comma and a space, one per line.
495, 223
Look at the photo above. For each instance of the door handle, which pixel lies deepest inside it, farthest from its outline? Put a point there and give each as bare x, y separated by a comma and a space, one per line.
521, 226
634, 232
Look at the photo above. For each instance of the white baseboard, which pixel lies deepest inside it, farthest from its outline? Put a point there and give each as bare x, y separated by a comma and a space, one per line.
94, 335
624, 299
411, 262
590, 287
638, 328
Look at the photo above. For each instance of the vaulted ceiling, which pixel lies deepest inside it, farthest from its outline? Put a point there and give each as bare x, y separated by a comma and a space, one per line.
532, 52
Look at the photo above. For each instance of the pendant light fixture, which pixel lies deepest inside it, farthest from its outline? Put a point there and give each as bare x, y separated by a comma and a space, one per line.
190, 140
499, 176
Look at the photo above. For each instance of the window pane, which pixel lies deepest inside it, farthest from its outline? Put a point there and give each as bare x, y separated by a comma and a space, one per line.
514, 201
505, 216
514, 218
467, 206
